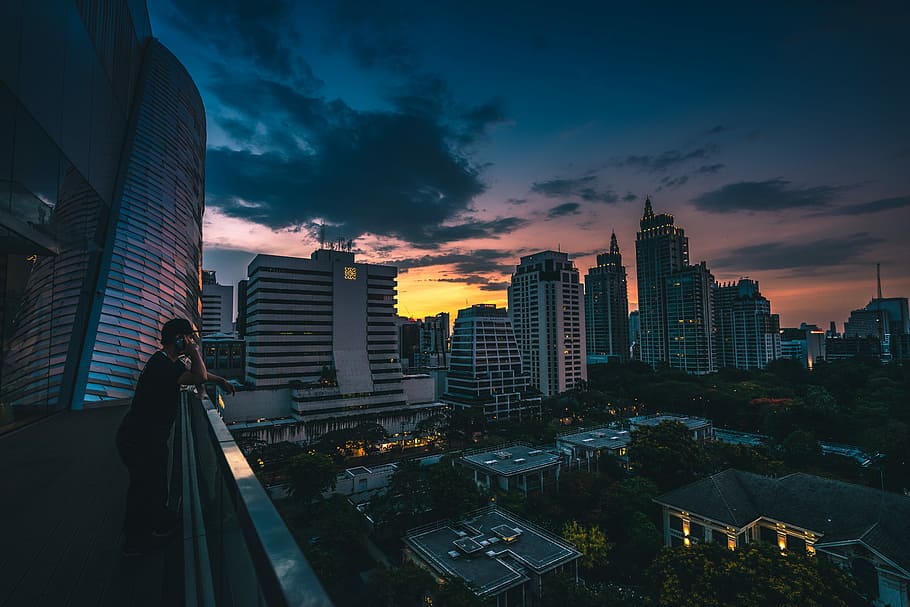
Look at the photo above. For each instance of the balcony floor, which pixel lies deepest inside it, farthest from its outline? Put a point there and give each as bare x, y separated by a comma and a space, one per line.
61, 507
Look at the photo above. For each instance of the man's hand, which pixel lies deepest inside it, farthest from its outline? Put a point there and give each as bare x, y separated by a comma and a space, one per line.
226, 386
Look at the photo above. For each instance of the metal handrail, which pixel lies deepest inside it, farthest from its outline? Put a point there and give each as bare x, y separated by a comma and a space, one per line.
283, 575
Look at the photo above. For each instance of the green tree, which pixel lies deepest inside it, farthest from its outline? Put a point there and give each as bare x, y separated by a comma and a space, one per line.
710, 575
309, 475
591, 542
667, 454
801, 448
404, 586
453, 592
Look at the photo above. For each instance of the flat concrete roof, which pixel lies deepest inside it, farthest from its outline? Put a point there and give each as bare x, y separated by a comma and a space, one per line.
598, 438
490, 549
512, 459
692, 423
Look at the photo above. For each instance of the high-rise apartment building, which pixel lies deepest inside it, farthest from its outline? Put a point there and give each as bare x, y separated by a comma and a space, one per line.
661, 248
746, 333
486, 370
607, 307
546, 305
217, 305
690, 326
433, 350
324, 326
102, 153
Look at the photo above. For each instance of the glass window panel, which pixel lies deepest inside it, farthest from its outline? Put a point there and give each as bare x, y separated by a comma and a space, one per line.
75, 134
10, 18
35, 172
41, 81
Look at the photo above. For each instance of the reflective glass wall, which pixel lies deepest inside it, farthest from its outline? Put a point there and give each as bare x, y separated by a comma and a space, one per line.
70, 83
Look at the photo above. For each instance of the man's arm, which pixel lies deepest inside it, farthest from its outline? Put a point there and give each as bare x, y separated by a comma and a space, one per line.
198, 374
225, 384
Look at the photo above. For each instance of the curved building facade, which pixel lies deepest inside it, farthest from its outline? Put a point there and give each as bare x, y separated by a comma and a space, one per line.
102, 148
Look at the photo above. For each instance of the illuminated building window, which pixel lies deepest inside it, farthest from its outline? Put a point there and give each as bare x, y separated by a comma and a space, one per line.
731, 542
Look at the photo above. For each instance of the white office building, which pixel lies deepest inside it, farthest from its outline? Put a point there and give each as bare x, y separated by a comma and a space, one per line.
546, 304
325, 328
217, 305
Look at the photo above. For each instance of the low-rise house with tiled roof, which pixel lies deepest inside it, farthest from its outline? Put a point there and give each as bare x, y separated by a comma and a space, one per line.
863, 529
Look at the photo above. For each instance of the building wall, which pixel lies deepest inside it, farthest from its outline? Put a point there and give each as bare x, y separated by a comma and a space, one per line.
546, 304
419, 388
217, 308
485, 361
690, 325
661, 248
95, 120
607, 307
325, 325
746, 334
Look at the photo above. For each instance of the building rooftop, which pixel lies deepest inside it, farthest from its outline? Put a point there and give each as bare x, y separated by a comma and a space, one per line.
692, 423
511, 459
491, 550
837, 511
604, 437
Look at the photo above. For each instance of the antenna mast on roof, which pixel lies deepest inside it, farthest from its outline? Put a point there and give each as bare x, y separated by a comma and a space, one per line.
322, 236
878, 278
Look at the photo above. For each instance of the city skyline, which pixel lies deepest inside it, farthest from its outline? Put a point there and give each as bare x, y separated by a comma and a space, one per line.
450, 144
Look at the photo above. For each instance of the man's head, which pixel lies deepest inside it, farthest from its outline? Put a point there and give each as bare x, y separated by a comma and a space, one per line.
174, 328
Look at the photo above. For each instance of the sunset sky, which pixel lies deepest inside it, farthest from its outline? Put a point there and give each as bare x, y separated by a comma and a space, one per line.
451, 138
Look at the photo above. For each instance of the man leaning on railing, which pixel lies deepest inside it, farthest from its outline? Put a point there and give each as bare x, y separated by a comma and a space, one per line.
143, 435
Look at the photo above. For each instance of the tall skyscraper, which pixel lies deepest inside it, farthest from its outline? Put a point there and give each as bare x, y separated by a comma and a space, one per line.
102, 152
661, 248
746, 333
485, 370
690, 326
607, 307
547, 310
324, 326
217, 305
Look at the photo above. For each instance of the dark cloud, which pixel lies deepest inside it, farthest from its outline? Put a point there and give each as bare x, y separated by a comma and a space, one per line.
568, 208
480, 261
255, 31
661, 162
671, 183
709, 169
866, 208
394, 173
716, 130
432, 236
368, 32
495, 286
468, 280
630, 197
584, 188
517, 201
771, 195
787, 255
